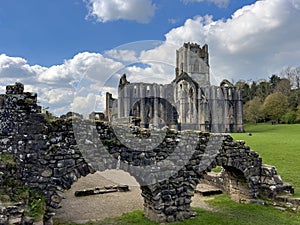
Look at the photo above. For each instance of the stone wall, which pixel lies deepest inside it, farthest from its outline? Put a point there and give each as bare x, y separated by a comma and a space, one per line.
168, 164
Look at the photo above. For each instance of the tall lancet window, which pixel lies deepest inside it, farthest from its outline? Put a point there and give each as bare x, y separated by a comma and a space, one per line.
196, 66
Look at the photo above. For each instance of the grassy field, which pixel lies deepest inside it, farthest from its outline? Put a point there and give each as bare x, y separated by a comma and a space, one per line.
278, 145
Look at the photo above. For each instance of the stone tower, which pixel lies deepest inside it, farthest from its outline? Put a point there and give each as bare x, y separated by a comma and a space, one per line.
193, 60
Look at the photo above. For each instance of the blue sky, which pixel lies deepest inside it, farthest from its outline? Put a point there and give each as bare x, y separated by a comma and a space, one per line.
52, 46
47, 32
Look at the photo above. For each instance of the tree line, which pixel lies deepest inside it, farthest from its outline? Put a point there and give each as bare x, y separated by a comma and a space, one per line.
276, 100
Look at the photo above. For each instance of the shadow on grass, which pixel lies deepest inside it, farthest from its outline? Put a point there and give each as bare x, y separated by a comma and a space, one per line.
260, 128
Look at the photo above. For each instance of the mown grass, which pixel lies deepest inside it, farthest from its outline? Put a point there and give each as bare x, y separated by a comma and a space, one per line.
278, 145
225, 212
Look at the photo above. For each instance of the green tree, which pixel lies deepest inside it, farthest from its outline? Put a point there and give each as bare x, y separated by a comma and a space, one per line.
289, 117
263, 89
274, 79
244, 86
253, 110
253, 89
298, 113
275, 106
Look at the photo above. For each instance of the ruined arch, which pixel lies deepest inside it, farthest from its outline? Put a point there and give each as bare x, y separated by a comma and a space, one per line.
158, 111
167, 192
51, 155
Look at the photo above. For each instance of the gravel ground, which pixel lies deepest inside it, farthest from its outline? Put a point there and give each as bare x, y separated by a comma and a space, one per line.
99, 207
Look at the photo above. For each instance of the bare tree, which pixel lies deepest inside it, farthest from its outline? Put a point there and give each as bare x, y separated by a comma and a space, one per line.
293, 74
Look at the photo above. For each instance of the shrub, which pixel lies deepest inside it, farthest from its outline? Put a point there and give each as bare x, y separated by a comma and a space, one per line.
290, 117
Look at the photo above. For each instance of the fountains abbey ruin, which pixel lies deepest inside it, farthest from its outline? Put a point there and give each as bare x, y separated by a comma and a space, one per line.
188, 102
48, 156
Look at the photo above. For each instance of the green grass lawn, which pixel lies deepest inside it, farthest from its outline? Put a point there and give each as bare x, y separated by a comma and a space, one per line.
278, 145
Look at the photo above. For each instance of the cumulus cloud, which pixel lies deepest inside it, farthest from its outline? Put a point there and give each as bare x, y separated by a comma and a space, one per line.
253, 43
17, 67
57, 85
219, 3
125, 56
85, 104
108, 10
86, 65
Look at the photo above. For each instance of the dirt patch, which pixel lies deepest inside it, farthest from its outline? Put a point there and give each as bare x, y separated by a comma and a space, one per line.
99, 207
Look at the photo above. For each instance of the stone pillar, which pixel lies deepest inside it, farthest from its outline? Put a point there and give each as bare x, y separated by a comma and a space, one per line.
211, 108
142, 108
182, 110
126, 100
225, 107
120, 103
239, 111
156, 96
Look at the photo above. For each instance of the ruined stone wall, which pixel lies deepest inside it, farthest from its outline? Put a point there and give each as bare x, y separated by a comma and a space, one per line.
212, 109
225, 109
168, 164
132, 101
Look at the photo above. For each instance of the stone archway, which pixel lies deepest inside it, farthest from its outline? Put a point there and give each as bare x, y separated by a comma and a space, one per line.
51, 156
168, 173
158, 112
235, 184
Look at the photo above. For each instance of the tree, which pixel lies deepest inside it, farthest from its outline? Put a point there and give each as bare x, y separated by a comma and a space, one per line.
296, 79
253, 110
253, 89
244, 86
289, 117
275, 106
263, 89
293, 75
274, 79
283, 86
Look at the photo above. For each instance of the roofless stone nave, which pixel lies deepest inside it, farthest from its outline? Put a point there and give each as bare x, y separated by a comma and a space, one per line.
188, 102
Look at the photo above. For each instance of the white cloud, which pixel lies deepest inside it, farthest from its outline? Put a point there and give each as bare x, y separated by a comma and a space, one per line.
85, 65
253, 43
108, 10
17, 67
56, 86
122, 55
156, 73
164, 53
86, 104
219, 3
173, 20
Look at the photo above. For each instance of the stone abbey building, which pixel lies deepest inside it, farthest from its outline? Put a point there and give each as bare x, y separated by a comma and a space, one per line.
189, 102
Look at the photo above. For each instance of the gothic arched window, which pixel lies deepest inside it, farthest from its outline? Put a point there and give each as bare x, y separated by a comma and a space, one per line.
196, 66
